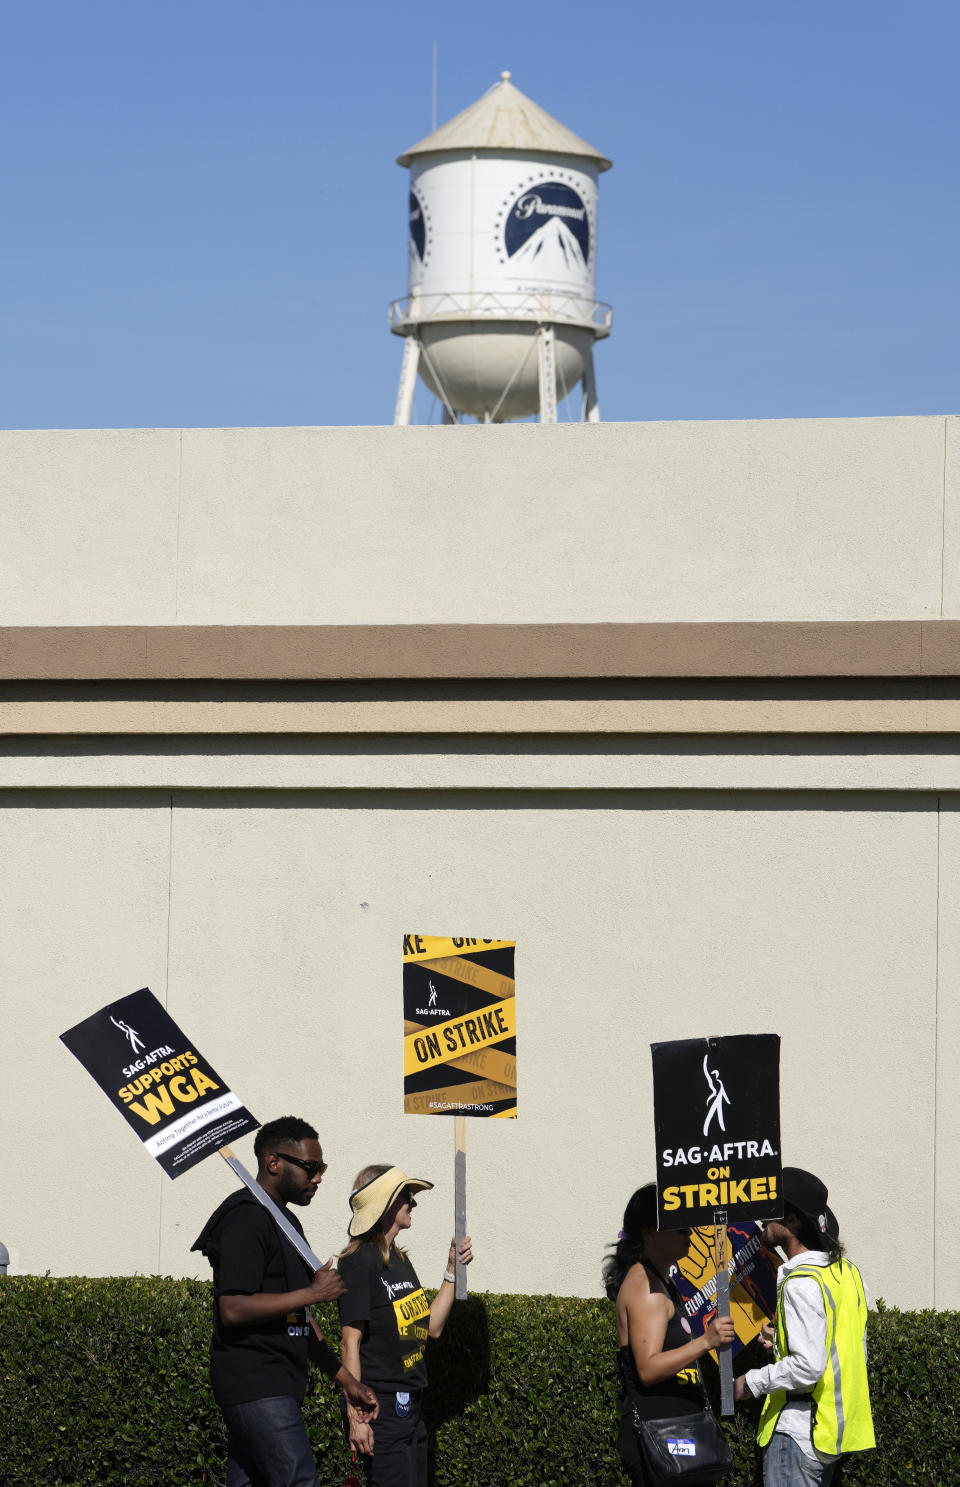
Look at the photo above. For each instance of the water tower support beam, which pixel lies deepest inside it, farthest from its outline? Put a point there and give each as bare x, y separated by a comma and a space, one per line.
546, 346
408, 379
591, 408
449, 412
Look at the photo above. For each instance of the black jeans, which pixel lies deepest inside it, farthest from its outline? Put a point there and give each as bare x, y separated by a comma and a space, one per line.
267, 1444
399, 1446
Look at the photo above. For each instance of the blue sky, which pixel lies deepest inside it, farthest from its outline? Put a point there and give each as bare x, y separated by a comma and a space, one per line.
203, 223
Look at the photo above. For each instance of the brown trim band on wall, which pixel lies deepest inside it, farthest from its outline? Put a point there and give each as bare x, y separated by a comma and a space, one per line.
776, 648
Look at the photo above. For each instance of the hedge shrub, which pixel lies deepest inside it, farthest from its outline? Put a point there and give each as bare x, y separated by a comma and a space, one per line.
105, 1382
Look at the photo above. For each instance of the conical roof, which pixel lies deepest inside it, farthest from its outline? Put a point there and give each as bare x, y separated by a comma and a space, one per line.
505, 119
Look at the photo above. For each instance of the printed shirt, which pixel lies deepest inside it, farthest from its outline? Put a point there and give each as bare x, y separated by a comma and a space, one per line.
390, 1301
249, 1257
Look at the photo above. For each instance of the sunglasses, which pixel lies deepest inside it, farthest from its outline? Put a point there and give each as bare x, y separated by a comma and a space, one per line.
312, 1169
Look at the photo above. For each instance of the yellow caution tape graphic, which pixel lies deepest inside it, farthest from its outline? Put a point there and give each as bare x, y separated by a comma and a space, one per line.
470, 974
458, 1096
459, 1037
436, 947
486, 1063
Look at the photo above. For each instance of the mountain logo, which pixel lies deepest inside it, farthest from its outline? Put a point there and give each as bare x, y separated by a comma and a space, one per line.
418, 226
547, 228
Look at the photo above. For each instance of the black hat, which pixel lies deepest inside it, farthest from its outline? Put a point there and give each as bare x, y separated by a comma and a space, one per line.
808, 1195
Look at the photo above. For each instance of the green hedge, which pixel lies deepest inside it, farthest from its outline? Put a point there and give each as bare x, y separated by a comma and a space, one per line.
104, 1382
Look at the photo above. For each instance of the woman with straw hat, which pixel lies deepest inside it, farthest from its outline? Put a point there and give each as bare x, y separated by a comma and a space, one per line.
385, 1321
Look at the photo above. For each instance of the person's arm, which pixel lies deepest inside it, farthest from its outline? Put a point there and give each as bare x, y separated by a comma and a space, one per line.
238, 1309
361, 1432
647, 1318
363, 1400
443, 1301
806, 1325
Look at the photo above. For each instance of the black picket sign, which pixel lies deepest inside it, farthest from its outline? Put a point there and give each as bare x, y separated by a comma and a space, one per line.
716, 1105
153, 1074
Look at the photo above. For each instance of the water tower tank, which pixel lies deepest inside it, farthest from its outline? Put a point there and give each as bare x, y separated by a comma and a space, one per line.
501, 314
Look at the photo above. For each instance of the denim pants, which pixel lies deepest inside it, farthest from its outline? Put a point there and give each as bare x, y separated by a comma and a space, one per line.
785, 1465
267, 1444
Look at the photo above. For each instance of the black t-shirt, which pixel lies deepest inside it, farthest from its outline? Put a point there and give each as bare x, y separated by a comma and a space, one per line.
249, 1255
390, 1300
681, 1393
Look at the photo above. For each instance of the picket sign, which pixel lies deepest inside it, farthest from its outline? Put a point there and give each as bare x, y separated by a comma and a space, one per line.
169, 1094
716, 1105
459, 1044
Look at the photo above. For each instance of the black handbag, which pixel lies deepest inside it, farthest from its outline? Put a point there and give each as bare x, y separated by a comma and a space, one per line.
688, 1450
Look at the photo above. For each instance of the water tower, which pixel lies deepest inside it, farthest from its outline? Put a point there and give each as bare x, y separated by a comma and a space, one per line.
501, 314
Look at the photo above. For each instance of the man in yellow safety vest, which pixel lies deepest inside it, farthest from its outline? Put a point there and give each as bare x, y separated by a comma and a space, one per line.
817, 1405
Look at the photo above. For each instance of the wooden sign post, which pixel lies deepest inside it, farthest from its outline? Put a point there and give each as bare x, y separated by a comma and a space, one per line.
276, 1212
724, 1354
460, 1199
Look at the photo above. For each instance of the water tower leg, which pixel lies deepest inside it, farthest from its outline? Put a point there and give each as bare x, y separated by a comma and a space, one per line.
591, 409
408, 379
546, 347
448, 415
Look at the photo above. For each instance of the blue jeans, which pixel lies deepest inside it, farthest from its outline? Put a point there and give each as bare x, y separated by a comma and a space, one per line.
785, 1465
267, 1444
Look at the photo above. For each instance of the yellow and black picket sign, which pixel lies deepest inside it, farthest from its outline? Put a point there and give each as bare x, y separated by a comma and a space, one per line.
459, 1027
459, 1041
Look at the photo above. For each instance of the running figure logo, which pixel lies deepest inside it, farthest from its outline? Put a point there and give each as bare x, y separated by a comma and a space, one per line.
136, 1042
717, 1097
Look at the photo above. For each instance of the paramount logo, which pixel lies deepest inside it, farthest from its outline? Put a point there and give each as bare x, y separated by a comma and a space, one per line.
547, 231
531, 204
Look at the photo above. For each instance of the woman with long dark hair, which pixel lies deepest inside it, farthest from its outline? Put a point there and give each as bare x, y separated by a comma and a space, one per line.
385, 1320
658, 1358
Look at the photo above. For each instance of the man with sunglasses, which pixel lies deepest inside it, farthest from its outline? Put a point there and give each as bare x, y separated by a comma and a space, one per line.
263, 1335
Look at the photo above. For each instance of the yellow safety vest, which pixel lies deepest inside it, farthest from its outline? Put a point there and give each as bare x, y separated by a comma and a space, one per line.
840, 1399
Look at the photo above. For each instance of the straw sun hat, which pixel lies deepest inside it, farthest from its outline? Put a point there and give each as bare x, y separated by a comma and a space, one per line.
369, 1203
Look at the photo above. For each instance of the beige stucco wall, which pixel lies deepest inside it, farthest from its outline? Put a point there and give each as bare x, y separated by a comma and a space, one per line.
637, 917
673, 885
791, 519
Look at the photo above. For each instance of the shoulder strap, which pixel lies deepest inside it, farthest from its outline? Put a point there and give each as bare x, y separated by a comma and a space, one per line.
664, 1285
810, 1272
